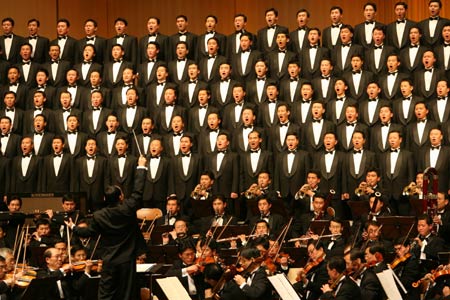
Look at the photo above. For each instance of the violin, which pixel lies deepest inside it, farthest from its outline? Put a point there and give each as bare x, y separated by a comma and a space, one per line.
309, 267
434, 275
284, 255
399, 260
80, 266
203, 261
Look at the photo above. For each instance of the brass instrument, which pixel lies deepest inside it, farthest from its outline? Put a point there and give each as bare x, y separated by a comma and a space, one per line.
411, 189
304, 189
199, 191
430, 203
362, 189
253, 191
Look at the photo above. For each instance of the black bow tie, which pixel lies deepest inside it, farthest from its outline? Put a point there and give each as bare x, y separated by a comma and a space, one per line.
243, 51
392, 73
326, 77
62, 37
372, 99
161, 83
261, 78
152, 60
120, 36
193, 81
421, 121
422, 238
336, 26
442, 98
10, 109
435, 147
146, 135
38, 133
378, 47
90, 38
293, 79
346, 45
211, 56
87, 62
71, 132
306, 101
248, 127
72, 86
385, 124
42, 86
271, 27
316, 120
429, 70
129, 85
177, 134
210, 32
169, 104
351, 124
265, 216
118, 60
57, 155
185, 154
254, 151
434, 18
356, 151
292, 151
122, 156
111, 132
38, 108
95, 88
356, 72
281, 51
225, 80
131, 106
203, 107
222, 151
414, 46
181, 33
329, 151
302, 28
181, 59
218, 216
152, 35
407, 98
5, 135
32, 37
285, 124
401, 21
90, 157
26, 62
96, 108
394, 150
154, 157
66, 110
7, 36
13, 84
26, 155
340, 99
214, 130
313, 46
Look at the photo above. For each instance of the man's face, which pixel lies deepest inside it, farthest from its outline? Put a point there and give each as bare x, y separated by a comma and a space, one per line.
423, 228
181, 24
206, 182
156, 148
43, 230
14, 205
26, 145
68, 206
312, 180
112, 123
271, 18
239, 23
62, 29
127, 75
57, 145
32, 28
55, 261
90, 28
120, 27
7, 27
372, 179
263, 180
39, 123
152, 26
264, 206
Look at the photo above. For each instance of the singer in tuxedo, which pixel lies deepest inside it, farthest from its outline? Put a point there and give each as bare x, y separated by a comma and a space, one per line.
67, 44
154, 36
312, 54
10, 53
147, 69
143, 140
112, 71
87, 65
211, 33
397, 32
122, 167
432, 26
376, 55
425, 81
234, 39
243, 62
345, 130
90, 126
106, 139
299, 37
324, 84
365, 31
369, 110
222, 91
290, 86
209, 64
9, 142
91, 38
40, 43
440, 106
280, 57
403, 107
25, 169
341, 55
128, 43
379, 134
336, 107
267, 35
130, 117
198, 115
75, 139
56, 67
183, 35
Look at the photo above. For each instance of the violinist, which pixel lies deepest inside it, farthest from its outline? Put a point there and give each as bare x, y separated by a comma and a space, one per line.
5, 283
253, 283
314, 274
229, 291
426, 245
206, 252
406, 267
16, 220
61, 246
301, 225
88, 243
8, 255
188, 272
336, 244
442, 218
340, 285
363, 275
79, 279
373, 235
374, 256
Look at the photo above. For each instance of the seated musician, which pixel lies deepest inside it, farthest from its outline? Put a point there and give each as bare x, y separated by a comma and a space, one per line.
188, 272
68, 211
414, 190
178, 235
55, 269
442, 218
306, 193
62, 247
227, 290
302, 225
275, 221
42, 237
378, 207
8, 255
220, 217
255, 284
427, 245
406, 266
364, 275
3, 241
203, 190
370, 185
173, 212
206, 251
88, 243
374, 256
334, 246
17, 220
6, 284
372, 235
314, 274
81, 275
263, 186
262, 229
342, 286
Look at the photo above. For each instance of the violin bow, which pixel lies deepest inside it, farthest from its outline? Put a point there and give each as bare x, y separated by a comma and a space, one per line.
409, 232
283, 233
68, 244
95, 246
224, 228
136, 141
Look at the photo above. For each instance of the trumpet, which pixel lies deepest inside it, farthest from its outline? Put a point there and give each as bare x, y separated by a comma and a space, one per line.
303, 190
362, 189
199, 191
411, 189
253, 191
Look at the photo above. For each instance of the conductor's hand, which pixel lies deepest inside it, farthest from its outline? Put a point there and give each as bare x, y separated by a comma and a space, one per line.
142, 161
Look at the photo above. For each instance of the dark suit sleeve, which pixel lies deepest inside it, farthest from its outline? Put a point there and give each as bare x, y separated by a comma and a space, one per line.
260, 284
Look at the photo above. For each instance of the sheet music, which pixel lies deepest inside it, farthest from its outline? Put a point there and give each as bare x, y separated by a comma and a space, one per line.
173, 289
284, 289
388, 283
143, 268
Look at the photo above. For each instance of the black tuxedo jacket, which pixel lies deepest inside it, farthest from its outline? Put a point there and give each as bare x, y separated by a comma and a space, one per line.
185, 184
331, 110
426, 37
87, 124
434, 245
13, 146
50, 93
364, 112
41, 48
309, 143
151, 102
21, 94
130, 47
317, 87
140, 139
82, 99
359, 36
336, 178
348, 289
94, 186
252, 91
46, 143
434, 112
59, 121
176, 270
248, 74
442, 165
285, 90
28, 183
126, 181
79, 144
216, 97
263, 116
368, 160
163, 42
193, 118
228, 116
157, 189
287, 182
405, 60
295, 44
100, 49
398, 110
273, 137
161, 118
28, 118
412, 137
231, 44
141, 113
214, 76
183, 93
383, 82
4, 65
341, 67
345, 142
204, 142
297, 112
263, 44
65, 283
59, 79
94, 66
370, 61
376, 143
108, 76
69, 52
419, 83
173, 71
237, 139
102, 143
61, 183
317, 277
226, 178
274, 63
440, 58
14, 52
246, 174
404, 173
116, 97
30, 82
276, 222
18, 122
366, 78
191, 40
201, 52
392, 35
168, 142
327, 38
146, 79
308, 71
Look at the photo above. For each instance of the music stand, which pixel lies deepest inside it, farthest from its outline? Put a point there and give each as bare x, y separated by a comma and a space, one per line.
417, 205
155, 288
318, 226
39, 289
201, 208
359, 208
162, 254
396, 226
299, 255
156, 236
444, 257
229, 256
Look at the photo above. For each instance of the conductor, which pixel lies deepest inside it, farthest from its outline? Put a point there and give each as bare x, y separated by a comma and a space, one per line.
121, 238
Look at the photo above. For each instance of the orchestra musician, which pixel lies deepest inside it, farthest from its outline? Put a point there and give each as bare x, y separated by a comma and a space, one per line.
406, 267
220, 217
442, 218
342, 286
336, 244
274, 220
302, 224
203, 190
229, 291
372, 235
